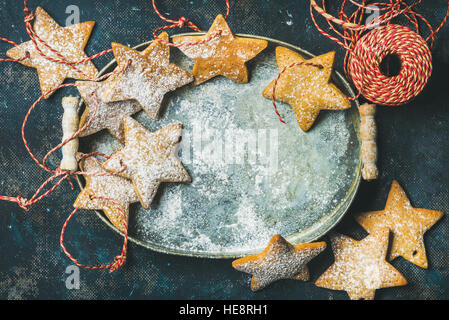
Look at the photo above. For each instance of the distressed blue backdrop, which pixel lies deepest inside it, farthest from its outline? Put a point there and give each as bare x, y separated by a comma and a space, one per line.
412, 141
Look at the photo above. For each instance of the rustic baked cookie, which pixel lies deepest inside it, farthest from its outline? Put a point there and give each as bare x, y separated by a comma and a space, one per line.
224, 54
68, 41
280, 260
407, 224
109, 115
360, 267
150, 158
306, 88
148, 78
108, 186
69, 125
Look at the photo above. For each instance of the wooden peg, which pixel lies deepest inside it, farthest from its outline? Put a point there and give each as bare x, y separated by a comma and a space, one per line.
368, 132
70, 123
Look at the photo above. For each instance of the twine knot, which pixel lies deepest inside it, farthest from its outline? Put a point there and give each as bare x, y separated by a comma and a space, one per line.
119, 261
23, 203
29, 16
182, 21
60, 172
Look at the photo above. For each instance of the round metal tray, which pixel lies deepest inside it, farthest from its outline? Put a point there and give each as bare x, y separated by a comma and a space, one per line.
317, 173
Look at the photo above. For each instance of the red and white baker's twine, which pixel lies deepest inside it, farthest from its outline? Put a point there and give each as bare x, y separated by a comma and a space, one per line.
118, 260
181, 22
273, 94
58, 174
24, 203
365, 52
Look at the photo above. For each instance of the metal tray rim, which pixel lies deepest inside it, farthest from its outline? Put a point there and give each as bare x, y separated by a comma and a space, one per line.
330, 221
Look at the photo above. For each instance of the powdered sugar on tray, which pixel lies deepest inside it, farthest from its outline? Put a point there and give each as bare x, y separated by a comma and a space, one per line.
252, 176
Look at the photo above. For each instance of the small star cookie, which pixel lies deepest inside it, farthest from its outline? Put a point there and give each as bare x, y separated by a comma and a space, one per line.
109, 115
148, 78
109, 186
223, 55
306, 88
360, 267
280, 260
150, 158
407, 224
68, 41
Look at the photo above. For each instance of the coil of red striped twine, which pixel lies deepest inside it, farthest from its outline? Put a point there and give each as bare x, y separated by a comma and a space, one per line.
181, 22
366, 51
24, 203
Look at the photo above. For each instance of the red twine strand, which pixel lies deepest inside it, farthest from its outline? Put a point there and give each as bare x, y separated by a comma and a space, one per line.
24, 203
118, 260
29, 17
365, 52
181, 22
295, 64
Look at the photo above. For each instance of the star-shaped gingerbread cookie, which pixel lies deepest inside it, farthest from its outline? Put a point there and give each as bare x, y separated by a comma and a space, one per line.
108, 115
150, 158
280, 260
306, 88
407, 224
360, 266
224, 54
148, 78
68, 41
109, 186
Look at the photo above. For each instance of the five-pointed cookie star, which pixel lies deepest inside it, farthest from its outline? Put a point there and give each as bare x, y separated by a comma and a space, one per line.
108, 186
108, 115
223, 55
68, 41
360, 267
306, 88
280, 260
407, 224
148, 78
150, 158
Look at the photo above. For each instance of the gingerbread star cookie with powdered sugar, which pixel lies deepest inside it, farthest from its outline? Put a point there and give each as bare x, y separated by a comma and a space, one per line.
148, 78
68, 41
150, 158
360, 266
223, 54
407, 224
108, 186
280, 260
108, 115
306, 88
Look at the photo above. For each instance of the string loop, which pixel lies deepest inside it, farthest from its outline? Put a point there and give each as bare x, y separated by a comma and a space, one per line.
181, 22
63, 175
273, 94
118, 260
23, 203
29, 17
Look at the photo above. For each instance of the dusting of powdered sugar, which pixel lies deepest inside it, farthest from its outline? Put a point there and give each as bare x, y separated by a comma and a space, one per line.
289, 182
360, 267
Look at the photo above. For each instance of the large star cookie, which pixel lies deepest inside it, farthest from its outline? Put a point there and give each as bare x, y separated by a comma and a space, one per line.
150, 158
360, 267
109, 115
109, 186
68, 41
407, 224
148, 78
280, 260
223, 55
306, 88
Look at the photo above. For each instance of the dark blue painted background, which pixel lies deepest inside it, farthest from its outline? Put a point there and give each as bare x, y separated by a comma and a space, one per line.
412, 141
